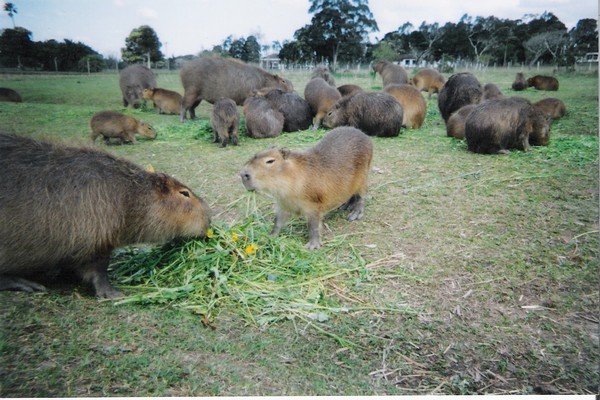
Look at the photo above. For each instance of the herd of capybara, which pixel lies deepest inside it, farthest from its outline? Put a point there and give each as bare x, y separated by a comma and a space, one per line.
73, 205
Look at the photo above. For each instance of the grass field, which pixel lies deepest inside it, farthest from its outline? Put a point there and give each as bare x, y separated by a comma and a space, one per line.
469, 274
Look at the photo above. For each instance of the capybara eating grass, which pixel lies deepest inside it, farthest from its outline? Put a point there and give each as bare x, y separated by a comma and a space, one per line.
520, 83
551, 106
296, 111
165, 101
390, 72
413, 104
428, 80
262, 119
132, 81
112, 124
11, 95
455, 127
460, 89
541, 82
321, 98
225, 121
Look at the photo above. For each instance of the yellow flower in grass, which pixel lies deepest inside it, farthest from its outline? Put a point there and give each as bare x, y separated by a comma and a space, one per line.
234, 237
251, 249
210, 234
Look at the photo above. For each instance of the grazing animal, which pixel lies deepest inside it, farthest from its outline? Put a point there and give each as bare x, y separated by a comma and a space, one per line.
321, 97
132, 81
429, 80
349, 89
262, 119
296, 111
455, 127
11, 95
165, 101
541, 82
413, 104
390, 72
460, 89
491, 91
322, 71
551, 106
112, 124
520, 83
225, 121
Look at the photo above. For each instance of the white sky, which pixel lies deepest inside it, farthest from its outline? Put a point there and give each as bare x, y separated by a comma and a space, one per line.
190, 26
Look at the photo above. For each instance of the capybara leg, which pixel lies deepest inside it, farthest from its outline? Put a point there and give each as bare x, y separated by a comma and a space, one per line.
96, 273
280, 220
314, 236
349, 205
358, 208
8, 282
224, 140
235, 137
317, 120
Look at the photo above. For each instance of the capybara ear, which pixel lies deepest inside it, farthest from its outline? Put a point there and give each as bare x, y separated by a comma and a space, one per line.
285, 152
161, 182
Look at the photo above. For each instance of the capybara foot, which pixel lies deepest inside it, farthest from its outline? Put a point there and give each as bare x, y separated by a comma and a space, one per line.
16, 283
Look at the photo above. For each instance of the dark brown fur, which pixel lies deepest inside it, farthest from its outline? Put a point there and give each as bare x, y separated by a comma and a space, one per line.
541, 82
132, 81
390, 72
111, 124
321, 97
12, 95
225, 121
349, 89
460, 89
262, 119
413, 104
455, 127
551, 106
296, 111
491, 91
428, 80
520, 83
165, 101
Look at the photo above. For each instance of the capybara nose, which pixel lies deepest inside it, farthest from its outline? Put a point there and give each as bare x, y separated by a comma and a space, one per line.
245, 176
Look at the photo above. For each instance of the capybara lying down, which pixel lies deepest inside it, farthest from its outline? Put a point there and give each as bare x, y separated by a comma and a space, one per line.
520, 83
7, 94
455, 127
67, 208
112, 124
321, 98
541, 82
349, 89
390, 72
132, 81
331, 174
296, 111
460, 89
551, 106
262, 119
165, 101
225, 121
429, 80
413, 104
495, 126
491, 91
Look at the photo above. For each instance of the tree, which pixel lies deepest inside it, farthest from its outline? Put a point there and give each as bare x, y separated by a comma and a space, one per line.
584, 36
16, 48
544, 43
236, 49
11, 10
251, 50
141, 45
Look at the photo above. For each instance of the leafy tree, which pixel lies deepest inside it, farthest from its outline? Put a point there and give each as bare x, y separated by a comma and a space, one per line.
385, 51
141, 45
236, 49
546, 43
91, 63
584, 36
16, 48
11, 10
251, 50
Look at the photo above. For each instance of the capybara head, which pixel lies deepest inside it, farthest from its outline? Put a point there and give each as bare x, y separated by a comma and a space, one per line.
261, 172
540, 128
148, 93
146, 130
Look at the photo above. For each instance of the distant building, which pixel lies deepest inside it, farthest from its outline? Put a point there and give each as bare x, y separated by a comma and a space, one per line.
271, 61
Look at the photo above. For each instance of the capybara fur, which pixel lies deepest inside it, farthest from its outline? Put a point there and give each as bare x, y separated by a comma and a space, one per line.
165, 101
262, 119
66, 208
225, 121
112, 124
215, 78
390, 72
460, 89
455, 127
495, 126
428, 80
132, 81
541, 82
296, 110
520, 83
491, 91
551, 106
321, 97
349, 89
12, 95
374, 113
413, 104
331, 174
322, 71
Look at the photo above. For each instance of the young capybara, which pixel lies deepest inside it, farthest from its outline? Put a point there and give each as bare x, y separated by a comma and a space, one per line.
262, 119
491, 91
321, 97
551, 106
455, 127
428, 80
413, 104
541, 82
390, 72
322, 71
165, 101
12, 95
374, 113
132, 81
112, 124
349, 89
214, 78
460, 89
296, 111
495, 126
67, 207
520, 83
331, 174
225, 121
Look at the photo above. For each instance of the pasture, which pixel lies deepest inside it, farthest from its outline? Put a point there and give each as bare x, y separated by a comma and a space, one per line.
468, 274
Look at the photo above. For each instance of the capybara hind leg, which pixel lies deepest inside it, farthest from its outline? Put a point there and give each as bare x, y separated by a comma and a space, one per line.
96, 273
8, 282
358, 208
314, 236
349, 205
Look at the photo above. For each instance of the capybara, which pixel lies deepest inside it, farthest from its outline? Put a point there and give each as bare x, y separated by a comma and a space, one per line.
495, 126
225, 121
455, 127
67, 208
322, 71
165, 101
112, 124
262, 119
541, 82
520, 83
390, 72
133, 80
491, 91
331, 174
551, 106
413, 104
428, 80
296, 111
460, 89
349, 89
7, 94
374, 113
321, 97
215, 78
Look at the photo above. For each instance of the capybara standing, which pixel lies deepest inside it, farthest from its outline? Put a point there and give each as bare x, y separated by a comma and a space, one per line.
428, 80
12, 95
112, 124
331, 174
491, 91
413, 104
215, 78
262, 119
165, 101
66, 207
225, 121
133, 80
520, 83
460, 89
390, 72
541, 82
551, 106
455, 127
321, 97
374, 113
296, 111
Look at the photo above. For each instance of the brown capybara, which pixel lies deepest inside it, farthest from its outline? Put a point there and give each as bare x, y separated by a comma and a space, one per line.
165, 101
225, 121
413, 104
491, 91
520, 83
132, 81
215, 78
374, 113
455, 127
428, 80
262, 119
12, 95
322, 71
67, 208
296, 111
460, 89
551, 106
541, 82
495, 126
349, 89
331, 174
321, 97
112, 124
390, 72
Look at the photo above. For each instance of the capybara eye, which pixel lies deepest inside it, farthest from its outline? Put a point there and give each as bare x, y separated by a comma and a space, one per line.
185, 193
270, 161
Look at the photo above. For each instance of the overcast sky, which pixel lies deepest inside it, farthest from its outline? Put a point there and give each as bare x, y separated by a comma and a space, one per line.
190, 26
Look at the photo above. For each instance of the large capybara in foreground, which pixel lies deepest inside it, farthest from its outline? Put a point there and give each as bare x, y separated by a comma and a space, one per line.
67, 208
429, 80
455, 127
390, 72
541, 82
495, 126
215, 78
551, 106
296, 111
262, 119
413, 104
374, 113
520, 83
132, 81
225, 121
12, 95
112, 124
165, 101
491, 91
460, 89
321, 97
331, 174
